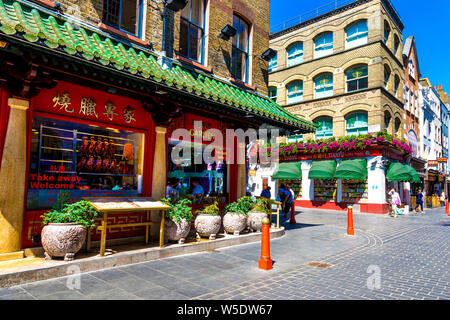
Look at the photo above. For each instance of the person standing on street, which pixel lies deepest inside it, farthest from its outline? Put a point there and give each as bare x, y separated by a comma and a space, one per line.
395, 201
419, 201
442, 198
288, 201
266, 193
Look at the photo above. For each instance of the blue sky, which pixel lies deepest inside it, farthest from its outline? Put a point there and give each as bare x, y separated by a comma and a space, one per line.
428, 22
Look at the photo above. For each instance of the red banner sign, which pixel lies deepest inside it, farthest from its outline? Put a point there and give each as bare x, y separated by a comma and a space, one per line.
341, 155
89, 104
433, 163
442, 160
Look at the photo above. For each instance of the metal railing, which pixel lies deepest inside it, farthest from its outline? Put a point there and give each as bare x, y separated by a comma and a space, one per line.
317, 12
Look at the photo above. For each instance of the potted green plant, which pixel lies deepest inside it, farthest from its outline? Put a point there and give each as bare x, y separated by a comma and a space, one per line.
65, 229
257, 214
208, 221
235, 218
178, 223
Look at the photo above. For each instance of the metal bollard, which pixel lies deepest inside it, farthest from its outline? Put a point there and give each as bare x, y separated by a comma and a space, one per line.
265, 262
350, 230
292, 221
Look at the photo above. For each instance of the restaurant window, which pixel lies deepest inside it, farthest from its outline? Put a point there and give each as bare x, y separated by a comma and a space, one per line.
124, 15
325, 190
273, 63
295, 92
355, 191
240, 50
212, 176
325, 129
192, 30
294, 54
273, 94
357, 34
356, 124
357, 78
83, 161
323, 86
323, 45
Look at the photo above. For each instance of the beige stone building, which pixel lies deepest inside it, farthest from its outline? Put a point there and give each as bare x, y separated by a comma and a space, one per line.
343, 70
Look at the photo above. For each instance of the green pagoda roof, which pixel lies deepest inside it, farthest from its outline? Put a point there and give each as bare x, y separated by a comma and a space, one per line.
44, 29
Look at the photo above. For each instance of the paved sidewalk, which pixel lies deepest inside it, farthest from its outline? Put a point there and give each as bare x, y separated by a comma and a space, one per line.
407, 258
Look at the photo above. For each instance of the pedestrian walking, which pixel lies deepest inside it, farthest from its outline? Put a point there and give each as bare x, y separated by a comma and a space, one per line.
419, 201
266, 193
288, 201
395, 201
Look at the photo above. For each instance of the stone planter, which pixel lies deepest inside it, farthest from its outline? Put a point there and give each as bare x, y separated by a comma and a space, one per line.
174, 231
254, 220
207, 225
62, 240
234, 223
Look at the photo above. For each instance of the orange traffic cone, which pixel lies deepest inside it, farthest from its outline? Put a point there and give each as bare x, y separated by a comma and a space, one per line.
265, 262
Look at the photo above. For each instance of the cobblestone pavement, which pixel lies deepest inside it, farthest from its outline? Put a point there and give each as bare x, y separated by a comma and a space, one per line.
403, 258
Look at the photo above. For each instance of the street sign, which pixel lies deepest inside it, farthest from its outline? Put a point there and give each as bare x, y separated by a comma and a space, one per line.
433, 163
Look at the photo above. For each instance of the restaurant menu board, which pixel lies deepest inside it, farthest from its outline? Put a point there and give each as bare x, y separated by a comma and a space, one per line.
105, 204
325, 190
354, 191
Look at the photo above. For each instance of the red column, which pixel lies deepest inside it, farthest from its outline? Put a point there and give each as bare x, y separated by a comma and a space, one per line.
350, 230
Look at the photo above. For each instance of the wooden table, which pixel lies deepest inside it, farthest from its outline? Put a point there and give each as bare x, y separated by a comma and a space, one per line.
105, 206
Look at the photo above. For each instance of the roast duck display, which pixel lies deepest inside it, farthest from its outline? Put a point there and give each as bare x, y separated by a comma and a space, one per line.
99, 155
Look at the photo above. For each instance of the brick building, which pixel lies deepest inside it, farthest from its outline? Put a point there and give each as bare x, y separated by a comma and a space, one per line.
343, 69
91, 92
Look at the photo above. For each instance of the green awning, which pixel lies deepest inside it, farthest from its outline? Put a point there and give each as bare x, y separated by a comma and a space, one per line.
355, 169
415, 178
288, 171
323, 170
399, 172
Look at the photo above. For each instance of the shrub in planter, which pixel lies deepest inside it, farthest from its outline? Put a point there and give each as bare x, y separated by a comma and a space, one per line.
179, 217
235, 218
65, 229
208, 222
257, 215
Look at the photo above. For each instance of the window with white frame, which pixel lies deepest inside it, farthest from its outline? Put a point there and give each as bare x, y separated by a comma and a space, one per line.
294, 54
192, 30
357, 34
325, 129
396, 44
387, 76
357, 78
295, 92
323, 45
396, 86
240, 49
323, 86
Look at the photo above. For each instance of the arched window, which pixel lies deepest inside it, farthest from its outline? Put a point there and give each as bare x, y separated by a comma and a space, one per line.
396, 86
398, 124
387, 120
396, 44
294, 54
357, 34
323, 45
273, 94
387, 32
387, 76
323, 86
192, 30
356, 123
325, 129
357, 78
273, 63
295, 92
